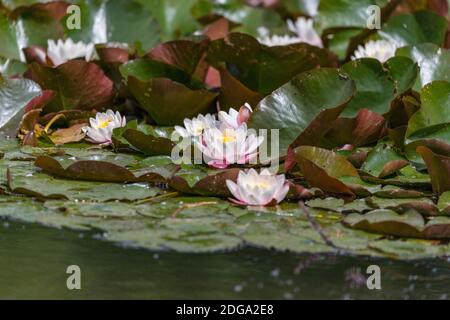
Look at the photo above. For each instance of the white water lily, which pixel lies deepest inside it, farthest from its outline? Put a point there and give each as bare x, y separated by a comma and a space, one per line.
226, 146
305, 31
102, 126
302, 28
194, 127
233, 118
275, 40
65, 50
379, 49
258, 189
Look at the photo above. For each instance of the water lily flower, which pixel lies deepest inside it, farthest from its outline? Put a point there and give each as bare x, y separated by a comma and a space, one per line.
265, 38
226, 146
194, 127
379, 49
233, 119
102, 126
305, 31
64, 50
258, 189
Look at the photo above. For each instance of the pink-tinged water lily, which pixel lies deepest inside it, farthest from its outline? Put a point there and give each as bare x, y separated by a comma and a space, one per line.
305, 31
194, 127
233, 118
227, 146
380, 49
258, 189
64, 50
102, 126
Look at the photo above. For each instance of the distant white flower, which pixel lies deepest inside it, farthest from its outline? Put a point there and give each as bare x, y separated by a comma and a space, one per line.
226, 146
65, 50
379, 49
305, 31
102, 126
258, 189
302, 28
194, 127
233, 119
265, 38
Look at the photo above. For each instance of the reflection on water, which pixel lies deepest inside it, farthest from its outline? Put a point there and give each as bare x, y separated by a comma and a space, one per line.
33, 262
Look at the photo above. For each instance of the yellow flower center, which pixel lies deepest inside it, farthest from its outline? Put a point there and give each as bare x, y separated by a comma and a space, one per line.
229, 136
260, 184
104, 123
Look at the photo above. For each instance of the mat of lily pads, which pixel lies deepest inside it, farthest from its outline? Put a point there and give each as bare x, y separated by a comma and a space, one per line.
363, 119
144, 216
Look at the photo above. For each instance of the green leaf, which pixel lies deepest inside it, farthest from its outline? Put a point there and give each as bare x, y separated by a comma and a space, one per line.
410, 224
174, 17
303, 109
323, 168
432, 60
123, 21
169, 102
264, 69
15, 94
415, 28
345, 13
383, 161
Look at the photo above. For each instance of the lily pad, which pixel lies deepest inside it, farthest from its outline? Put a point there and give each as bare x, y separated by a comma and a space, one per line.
432, 60
15, 94
410, 224
303, 109
323, 168
78, 85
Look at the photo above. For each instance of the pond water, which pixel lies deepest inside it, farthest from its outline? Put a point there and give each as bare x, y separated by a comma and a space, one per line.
33, 262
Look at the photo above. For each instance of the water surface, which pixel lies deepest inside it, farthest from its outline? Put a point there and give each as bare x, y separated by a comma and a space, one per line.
33, 262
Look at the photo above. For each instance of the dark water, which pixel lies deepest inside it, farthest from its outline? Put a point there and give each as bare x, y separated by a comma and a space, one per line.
33, 262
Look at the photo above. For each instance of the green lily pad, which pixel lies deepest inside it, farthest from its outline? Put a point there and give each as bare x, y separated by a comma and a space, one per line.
264, 69
410, 224
15, 94
432, 60
323, 168
303, 109
415, 28
122, 21
383, 161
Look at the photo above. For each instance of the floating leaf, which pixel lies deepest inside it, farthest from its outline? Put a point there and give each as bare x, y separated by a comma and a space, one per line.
15, 94
410, 224
263, 69
90, 170
78, 85
438, 168
303, 109
383, 161
120, 21
322, 169
209, 185
169, 102
412, 29
432, 60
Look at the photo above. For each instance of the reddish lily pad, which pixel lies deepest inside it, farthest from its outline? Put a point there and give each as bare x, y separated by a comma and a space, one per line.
323, 168
78, 85
210, 185
410, 224
438, 169
90, 170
